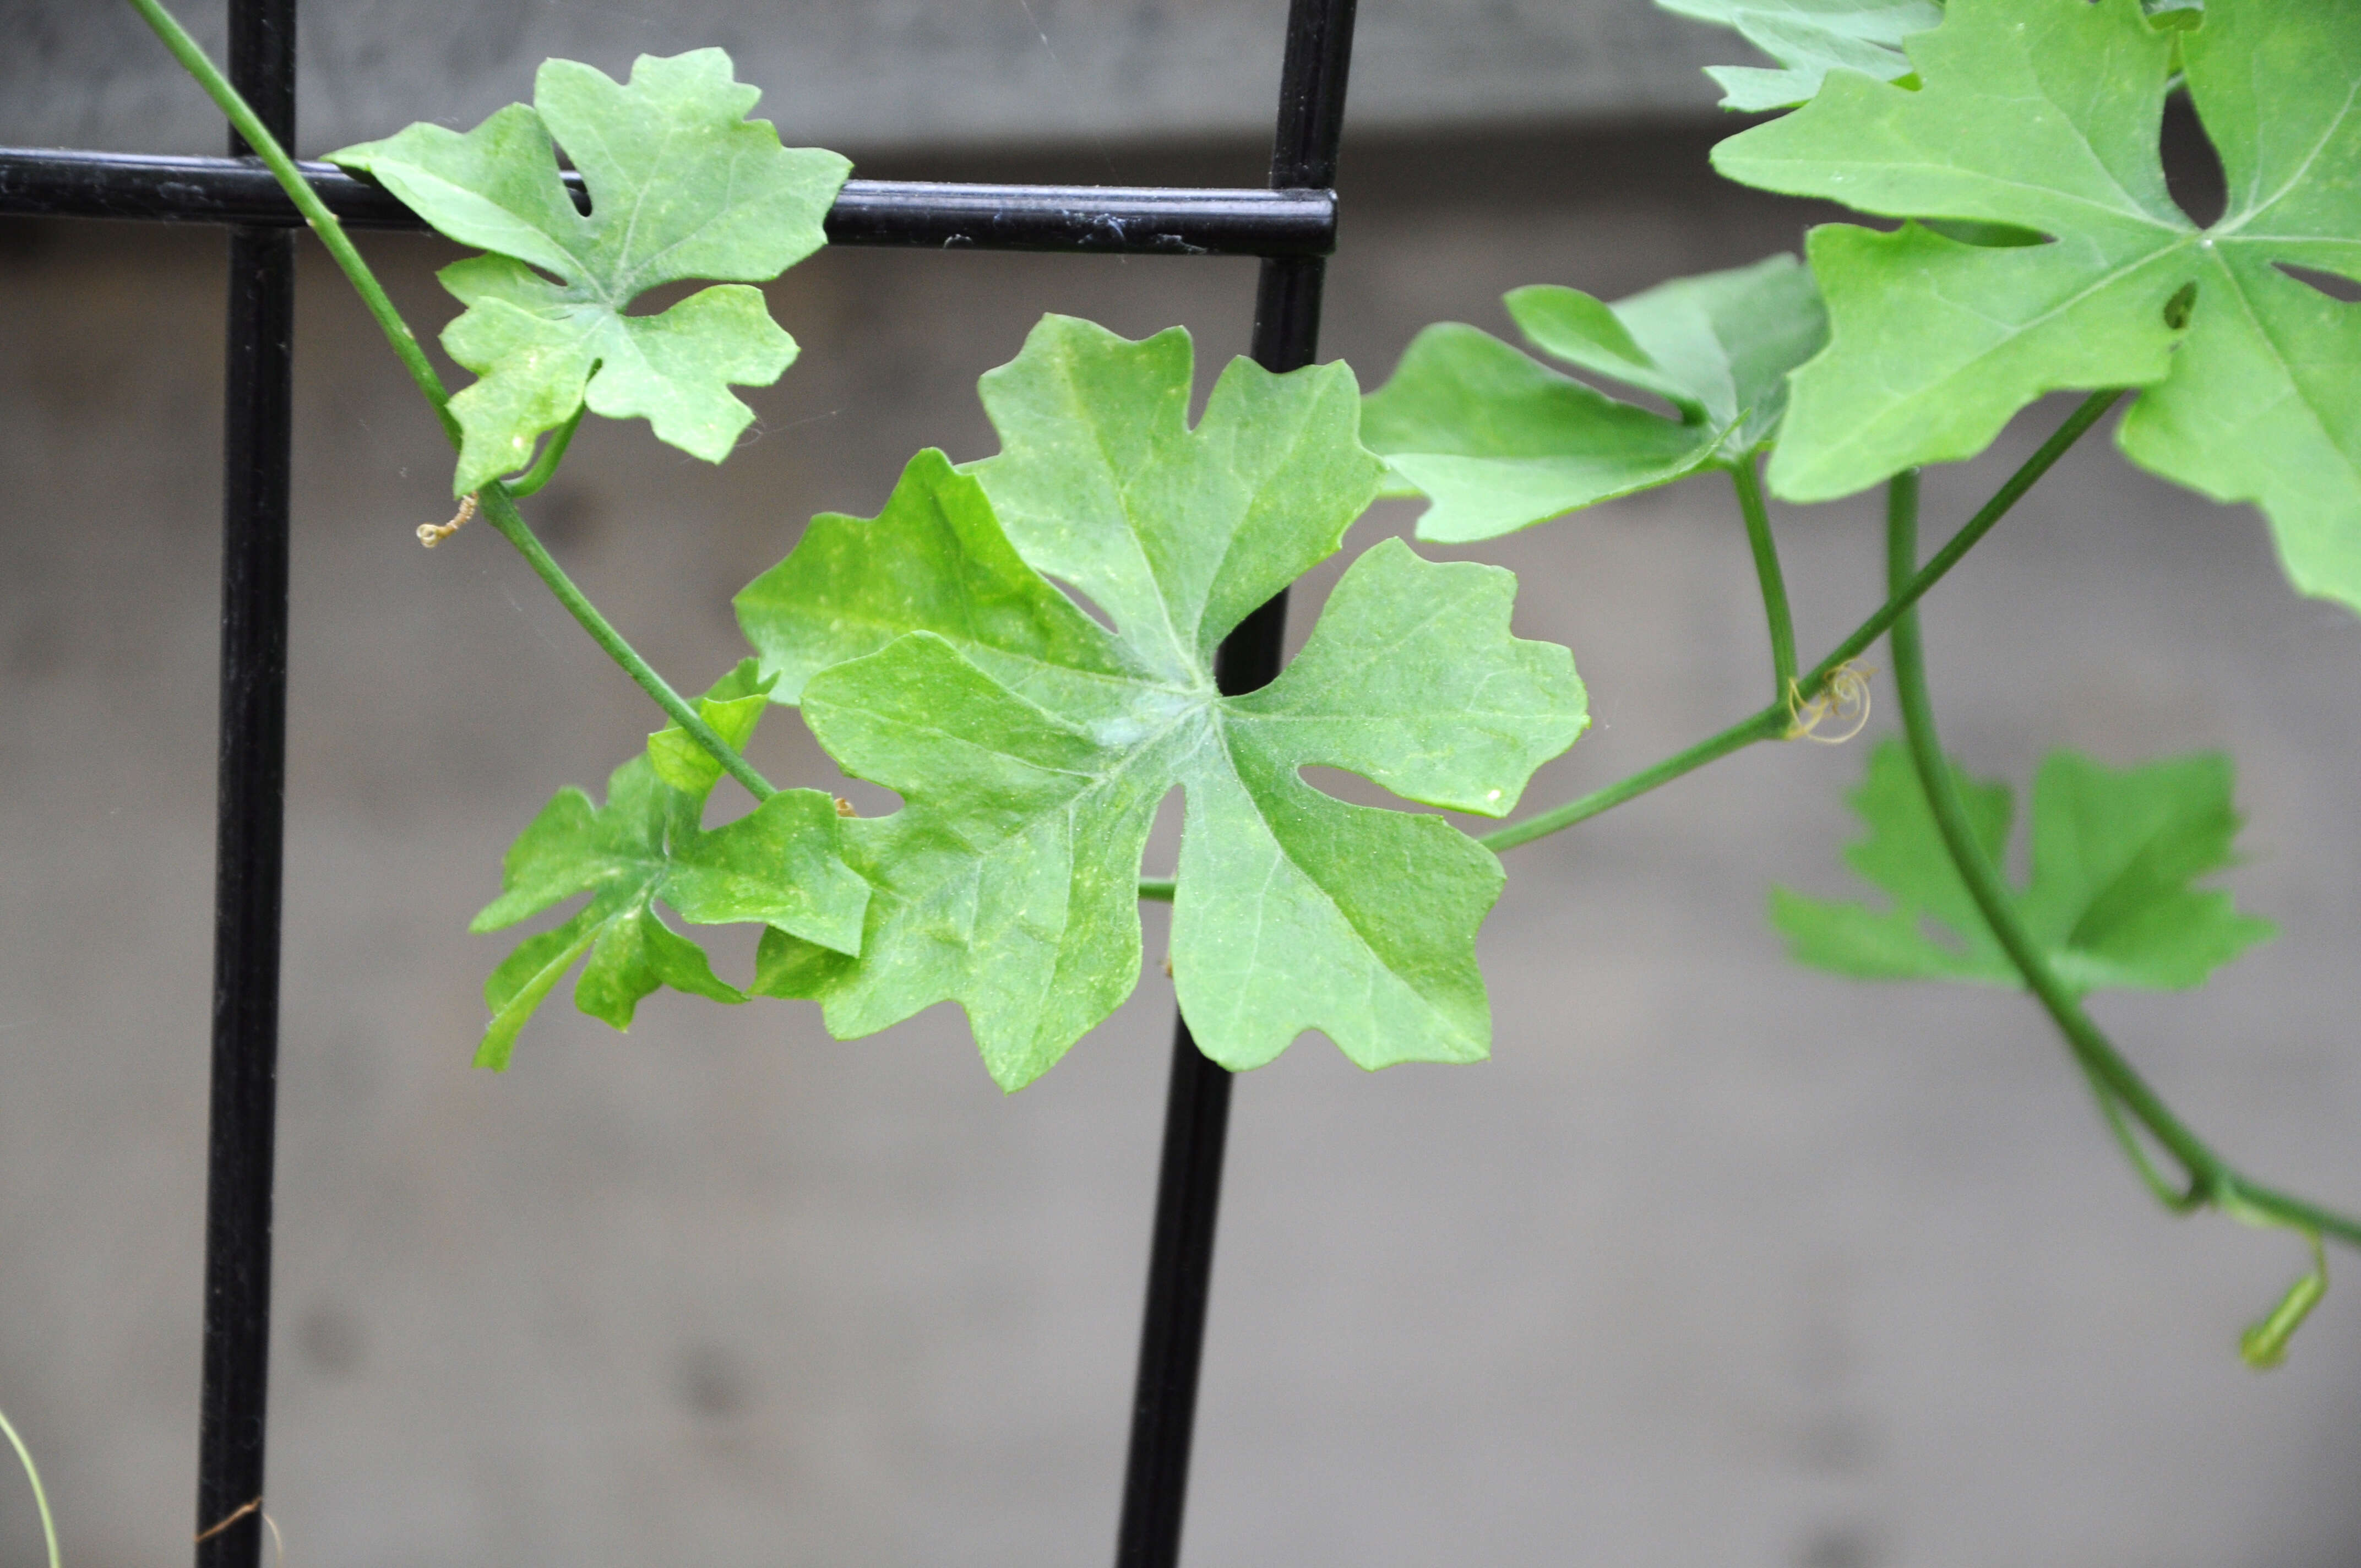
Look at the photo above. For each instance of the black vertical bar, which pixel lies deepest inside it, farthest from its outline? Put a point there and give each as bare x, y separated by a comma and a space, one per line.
1197, 1103
258, 406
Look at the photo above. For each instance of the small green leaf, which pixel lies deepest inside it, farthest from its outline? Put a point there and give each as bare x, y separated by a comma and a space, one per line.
734, 706
1809, 38
1500, 442
2111, 900
933, 654
2045, 117
682, 186
779, 865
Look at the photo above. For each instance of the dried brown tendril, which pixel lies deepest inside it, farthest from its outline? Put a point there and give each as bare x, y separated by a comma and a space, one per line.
1843, 699
433, 534
277, 1542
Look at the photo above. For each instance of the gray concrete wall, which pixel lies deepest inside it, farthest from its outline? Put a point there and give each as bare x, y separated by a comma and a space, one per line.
886, 75
1717, 1262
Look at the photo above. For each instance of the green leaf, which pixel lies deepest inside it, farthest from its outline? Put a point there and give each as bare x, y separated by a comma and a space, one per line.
2044, 116
682, 186
734, 706
2111, 900
1809, 38
1031, 745
1500, 442
779, 865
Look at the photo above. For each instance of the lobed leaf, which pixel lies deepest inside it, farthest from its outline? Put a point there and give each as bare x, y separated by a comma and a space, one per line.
682, 186
2111, 901
932, 653
1499, 443
2044, 116
779, 865
1809, 38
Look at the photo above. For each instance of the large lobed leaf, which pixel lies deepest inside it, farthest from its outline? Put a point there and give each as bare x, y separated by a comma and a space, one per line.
778, 865
1031, 745
2044, 116
1500, 442
2115, 854
1809, 38
682, 186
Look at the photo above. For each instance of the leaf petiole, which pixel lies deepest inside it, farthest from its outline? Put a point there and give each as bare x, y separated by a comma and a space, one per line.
1781, 621
1767, 724
496, 499
553, 452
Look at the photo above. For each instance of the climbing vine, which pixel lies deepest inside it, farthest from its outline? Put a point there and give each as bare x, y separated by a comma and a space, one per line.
939, 649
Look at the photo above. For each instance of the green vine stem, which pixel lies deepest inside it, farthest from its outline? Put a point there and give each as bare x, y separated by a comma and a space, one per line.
41, 1498
501, 513
499, 507
2212, 1180
1781, 622
1903, 595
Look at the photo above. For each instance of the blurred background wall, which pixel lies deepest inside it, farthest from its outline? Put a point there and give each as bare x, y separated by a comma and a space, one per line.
1717, 1261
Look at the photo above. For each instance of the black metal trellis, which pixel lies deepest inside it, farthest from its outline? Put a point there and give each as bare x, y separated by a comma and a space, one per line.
1292, 226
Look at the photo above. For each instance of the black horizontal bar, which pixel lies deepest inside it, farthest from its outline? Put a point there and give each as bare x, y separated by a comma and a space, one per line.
1127, 220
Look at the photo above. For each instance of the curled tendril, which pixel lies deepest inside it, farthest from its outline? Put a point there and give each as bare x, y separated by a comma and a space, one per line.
2264, 1344
433, 534
1844, 698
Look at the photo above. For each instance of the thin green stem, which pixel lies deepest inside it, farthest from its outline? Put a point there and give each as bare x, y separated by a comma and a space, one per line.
2211, 1179
1905, 594
1763, 726
501, 513
496, 499
247, 124
553, 452
41, 1498
1773, 582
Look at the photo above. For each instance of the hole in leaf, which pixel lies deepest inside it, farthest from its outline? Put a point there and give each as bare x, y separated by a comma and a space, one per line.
2192, 169
1086, 604
1164, 835
2176, 309
2341, 288
1989, 236
577, 189
1351, 788
655, 302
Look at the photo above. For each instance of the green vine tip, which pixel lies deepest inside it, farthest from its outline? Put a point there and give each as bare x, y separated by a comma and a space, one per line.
2265, 1343
40, 1498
